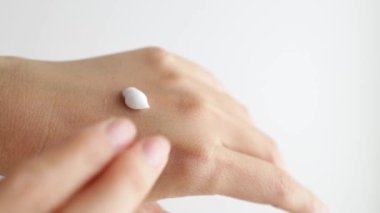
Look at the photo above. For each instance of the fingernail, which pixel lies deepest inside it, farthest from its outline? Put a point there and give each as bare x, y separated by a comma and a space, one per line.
156, 150
120, 132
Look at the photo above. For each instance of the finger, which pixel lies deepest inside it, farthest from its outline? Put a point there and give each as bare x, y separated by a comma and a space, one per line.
126, 182
49, 179
261, 182
151, 207
253, 142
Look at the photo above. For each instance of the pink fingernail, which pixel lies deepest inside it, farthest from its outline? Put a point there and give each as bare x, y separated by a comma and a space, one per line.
120, 132
156, 150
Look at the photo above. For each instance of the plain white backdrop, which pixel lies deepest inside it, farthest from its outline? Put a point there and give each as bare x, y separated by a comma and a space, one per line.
308, 70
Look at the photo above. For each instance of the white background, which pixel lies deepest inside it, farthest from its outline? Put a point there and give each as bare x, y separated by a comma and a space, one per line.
307, 69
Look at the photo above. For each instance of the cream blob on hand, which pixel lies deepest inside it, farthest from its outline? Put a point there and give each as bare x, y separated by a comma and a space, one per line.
135, 99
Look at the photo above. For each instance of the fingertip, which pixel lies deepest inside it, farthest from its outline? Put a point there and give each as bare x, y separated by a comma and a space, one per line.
120, 131
130, 176
156, 150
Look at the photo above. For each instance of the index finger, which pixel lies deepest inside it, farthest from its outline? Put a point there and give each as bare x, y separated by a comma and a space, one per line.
256, 180
48, 180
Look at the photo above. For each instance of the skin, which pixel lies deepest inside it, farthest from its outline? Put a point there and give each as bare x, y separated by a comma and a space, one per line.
214, 143
104, 165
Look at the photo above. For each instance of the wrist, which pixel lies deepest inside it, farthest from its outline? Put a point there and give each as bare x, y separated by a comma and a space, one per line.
6, 71
38, 108
18, 116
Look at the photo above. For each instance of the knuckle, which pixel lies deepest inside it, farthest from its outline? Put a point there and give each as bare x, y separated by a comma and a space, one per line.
282, 189
206, 156
205, 153
172, 76
202, 177
189, 103
159, 57
273, 155
241, 108
214, 183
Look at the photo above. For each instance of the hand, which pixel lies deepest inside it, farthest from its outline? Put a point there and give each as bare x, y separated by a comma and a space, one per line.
98, 171
215, 147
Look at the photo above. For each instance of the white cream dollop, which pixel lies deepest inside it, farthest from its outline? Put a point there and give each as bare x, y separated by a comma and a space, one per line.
135, 99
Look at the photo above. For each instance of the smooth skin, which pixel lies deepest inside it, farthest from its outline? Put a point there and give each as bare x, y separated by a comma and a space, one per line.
214, 143
101, 170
